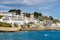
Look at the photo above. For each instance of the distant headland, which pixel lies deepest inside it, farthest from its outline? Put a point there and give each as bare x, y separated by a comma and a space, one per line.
15, 20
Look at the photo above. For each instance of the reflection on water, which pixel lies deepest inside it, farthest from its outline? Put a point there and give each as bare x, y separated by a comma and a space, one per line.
31, 35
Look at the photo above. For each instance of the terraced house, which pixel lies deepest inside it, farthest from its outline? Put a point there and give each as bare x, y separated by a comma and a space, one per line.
12, 18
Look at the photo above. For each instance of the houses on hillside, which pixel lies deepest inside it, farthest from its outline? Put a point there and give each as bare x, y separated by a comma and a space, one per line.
12, 18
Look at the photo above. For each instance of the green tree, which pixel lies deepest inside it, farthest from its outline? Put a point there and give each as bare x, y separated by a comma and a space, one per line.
36, 14
18, 11
27, 15
40, 14
1, 16
56, 20
51, 18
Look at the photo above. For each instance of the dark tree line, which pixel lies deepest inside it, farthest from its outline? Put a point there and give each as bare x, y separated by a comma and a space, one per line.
36, 15
18, 11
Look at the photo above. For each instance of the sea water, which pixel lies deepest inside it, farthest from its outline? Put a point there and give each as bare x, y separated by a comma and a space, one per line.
31, 35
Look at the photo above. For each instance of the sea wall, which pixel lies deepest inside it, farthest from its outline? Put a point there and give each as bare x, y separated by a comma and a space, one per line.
16, 29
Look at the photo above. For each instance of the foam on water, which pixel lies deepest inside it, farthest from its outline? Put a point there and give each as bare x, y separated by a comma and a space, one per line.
46, 35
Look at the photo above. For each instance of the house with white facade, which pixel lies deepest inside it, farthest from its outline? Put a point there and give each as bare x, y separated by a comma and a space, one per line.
10, 17
7, 13
58, 24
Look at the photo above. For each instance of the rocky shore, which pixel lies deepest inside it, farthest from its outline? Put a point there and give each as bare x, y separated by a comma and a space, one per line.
16, 29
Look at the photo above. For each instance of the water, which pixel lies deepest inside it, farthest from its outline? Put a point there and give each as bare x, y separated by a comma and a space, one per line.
31, 35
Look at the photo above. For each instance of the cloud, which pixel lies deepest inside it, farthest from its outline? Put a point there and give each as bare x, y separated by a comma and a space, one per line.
48, 7
34, 2
44, 8
9, 1
4, 8
26, 2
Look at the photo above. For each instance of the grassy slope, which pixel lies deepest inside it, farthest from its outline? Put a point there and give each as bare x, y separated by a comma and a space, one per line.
4, 24
1, 16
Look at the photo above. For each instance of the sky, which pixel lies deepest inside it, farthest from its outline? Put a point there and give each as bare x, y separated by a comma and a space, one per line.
46, 7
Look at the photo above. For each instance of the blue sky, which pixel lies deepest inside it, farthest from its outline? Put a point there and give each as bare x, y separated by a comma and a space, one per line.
46, 7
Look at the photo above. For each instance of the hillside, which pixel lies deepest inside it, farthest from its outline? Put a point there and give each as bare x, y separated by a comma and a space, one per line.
37, 15
1, 16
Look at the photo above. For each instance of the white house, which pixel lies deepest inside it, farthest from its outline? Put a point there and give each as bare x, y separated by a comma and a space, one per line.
10, 17
7, 13
58, 24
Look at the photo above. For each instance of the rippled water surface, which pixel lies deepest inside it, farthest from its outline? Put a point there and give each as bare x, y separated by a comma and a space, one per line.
31, 35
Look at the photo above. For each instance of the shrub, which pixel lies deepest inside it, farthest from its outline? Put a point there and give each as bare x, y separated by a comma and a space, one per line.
4, 24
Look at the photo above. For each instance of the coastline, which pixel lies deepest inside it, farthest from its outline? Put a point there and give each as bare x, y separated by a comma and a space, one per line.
16, 29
